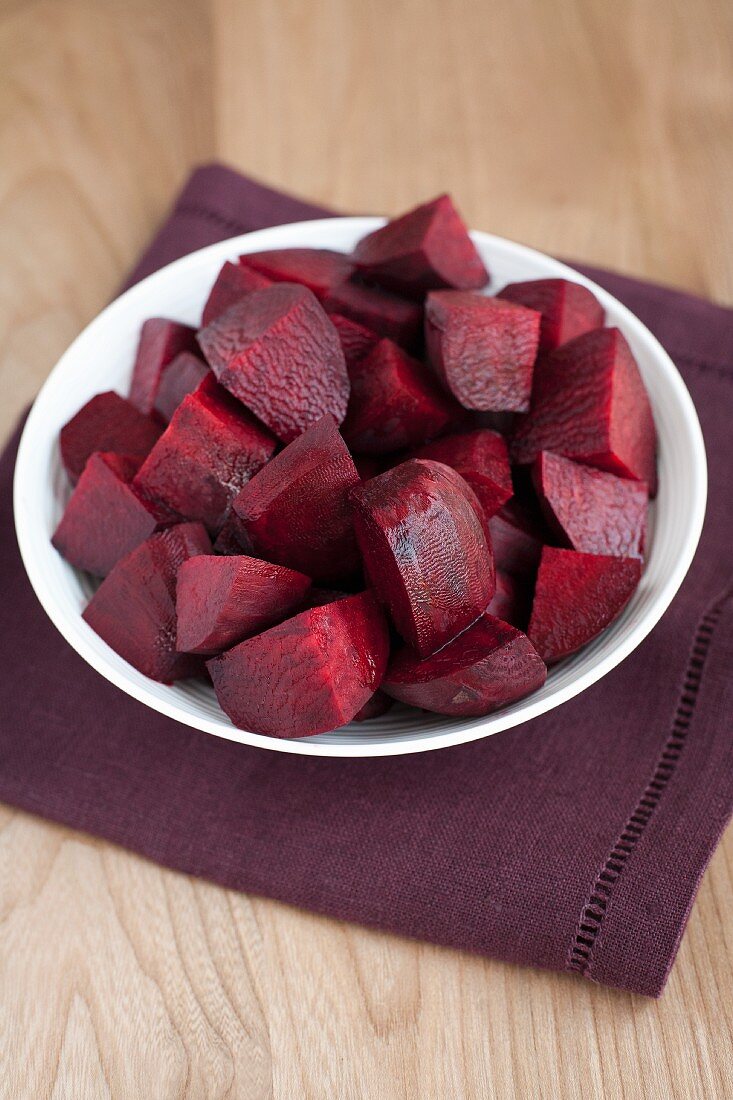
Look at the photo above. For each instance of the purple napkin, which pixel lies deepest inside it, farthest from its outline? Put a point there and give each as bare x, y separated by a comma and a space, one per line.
576, 842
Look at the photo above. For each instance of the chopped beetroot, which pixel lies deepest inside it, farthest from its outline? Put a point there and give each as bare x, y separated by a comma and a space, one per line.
311, 674
375, 707
279, 354
221, 601
318, 596
211, 447
379, 311
589, 403
426, 249
486, 667
161, 341
481, 458
106, 423
134, 608
295, 511
517, 537
591, 510
181, 377
512, 600
232, 538
356, 340
395, 403
576, 597
320, 269
232, 283
567, 309
482, 348
424, 550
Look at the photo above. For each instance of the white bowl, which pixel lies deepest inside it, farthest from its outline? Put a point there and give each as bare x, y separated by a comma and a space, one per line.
101, 359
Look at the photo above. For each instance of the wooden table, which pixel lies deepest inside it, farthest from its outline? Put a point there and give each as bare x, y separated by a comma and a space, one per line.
598, 130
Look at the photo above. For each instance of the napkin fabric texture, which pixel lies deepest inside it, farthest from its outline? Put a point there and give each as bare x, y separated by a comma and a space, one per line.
576, 842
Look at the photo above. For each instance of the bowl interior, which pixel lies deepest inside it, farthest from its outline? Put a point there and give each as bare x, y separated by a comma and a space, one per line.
101, 359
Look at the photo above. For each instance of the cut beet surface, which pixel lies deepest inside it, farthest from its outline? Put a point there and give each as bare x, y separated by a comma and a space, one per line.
517, 540
105, 517
320, 269
211, 447
134, 608
375, 707
295, 511
482, 459
488, 666
181, 377
591, 510
356, 340
311, 674
421, 536
232, 538
395, 403
427, 248
512, 600
379, 311
220, 601
576, 597
279, 354
482, 348
106, 423
567, 309
161, 341
589, 403
232, 283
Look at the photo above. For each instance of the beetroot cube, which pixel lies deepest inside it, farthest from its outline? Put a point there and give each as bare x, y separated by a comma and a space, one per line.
356, 341
395, 403
576, 597
379, 311
486, 667
221, 601
589, 403
482, 348
134, 608
161, 341
295, 511
232, 283
426, 249
517, 539
512, 600
308, 675
421, 536
320, 269
481, 458
181, 377
567, 309
591, 510
211, 447
279, 354
106, 423
375, 707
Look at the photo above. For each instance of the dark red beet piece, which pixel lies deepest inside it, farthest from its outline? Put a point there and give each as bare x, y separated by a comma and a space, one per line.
221, 601
567, 309
105, 517
516, 539
295, 511
591, 510
310, 674
589, 403
367, 467
424, 550
232, 538
386, 314
576, 597
482, 348
106, 423
356, 340
320, 269
512, 600
481, 458
427, 248
134, 608
211, 447
181, 377
395, 403
278, 353
487, 666
161, 341
375, 707
232, 283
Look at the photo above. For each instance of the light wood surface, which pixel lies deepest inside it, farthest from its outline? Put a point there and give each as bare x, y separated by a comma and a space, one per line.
598, 130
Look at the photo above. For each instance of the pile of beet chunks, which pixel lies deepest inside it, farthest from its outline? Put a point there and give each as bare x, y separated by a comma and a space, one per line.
364, 479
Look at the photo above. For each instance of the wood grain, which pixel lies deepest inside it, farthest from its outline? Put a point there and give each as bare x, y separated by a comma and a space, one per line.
595, 130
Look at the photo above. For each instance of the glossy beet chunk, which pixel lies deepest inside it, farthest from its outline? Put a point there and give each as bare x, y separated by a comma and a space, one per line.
379, 311
279, 354
576, 597
481, 458
320, 269
295, 511
589, 404
221, 601
488, 666
134, 608
395, 403
483, 349
567, 309
160, 342
375, 707
311, 674
356, 340
106, 423
181, 377
232, 284
422, 539
512, 600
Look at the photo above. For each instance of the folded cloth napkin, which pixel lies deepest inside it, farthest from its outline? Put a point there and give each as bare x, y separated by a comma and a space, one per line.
575, 842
